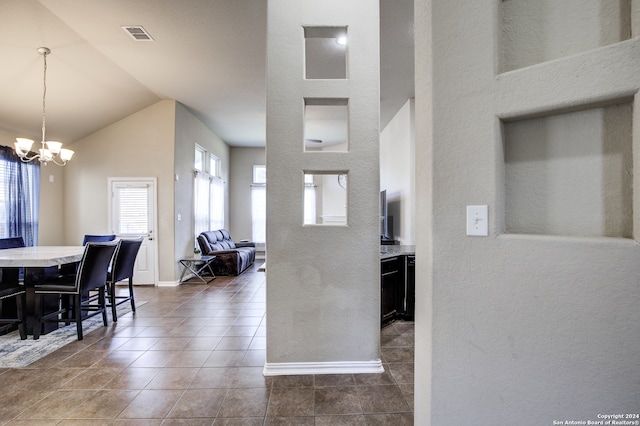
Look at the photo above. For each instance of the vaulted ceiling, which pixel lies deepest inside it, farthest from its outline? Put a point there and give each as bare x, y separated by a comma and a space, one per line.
207, 54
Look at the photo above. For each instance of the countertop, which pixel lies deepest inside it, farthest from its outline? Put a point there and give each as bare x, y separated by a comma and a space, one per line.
392, 251
40, 256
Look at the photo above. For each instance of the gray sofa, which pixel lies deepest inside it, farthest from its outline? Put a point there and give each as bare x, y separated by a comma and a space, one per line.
231, 258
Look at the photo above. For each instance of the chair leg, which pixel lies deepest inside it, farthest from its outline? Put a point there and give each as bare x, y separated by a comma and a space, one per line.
133, 301
102, 305
78, 314
37, 325
22, 315
112, 301
67, 309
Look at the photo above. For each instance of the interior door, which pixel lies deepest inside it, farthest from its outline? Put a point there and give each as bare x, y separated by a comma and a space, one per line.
133, 215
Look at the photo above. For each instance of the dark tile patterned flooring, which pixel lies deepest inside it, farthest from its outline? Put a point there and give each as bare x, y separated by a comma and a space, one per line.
193, 355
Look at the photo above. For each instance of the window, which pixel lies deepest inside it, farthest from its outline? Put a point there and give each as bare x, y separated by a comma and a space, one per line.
260, 174
201, 203
131, 209
199, 160
19, 197
216, 206
208, 192
259, 204
214, 166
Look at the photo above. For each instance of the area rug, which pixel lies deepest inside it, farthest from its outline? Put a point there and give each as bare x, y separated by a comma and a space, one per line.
16, 353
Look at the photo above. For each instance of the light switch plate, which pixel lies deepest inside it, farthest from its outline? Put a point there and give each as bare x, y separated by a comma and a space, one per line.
478, 221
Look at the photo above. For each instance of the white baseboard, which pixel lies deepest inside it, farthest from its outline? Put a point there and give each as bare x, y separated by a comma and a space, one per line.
168, 284
344, 367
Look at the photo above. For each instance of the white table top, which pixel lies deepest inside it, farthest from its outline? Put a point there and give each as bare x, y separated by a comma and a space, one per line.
40, 256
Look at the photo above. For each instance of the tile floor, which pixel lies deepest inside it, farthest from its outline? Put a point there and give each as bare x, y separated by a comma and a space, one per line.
193, 355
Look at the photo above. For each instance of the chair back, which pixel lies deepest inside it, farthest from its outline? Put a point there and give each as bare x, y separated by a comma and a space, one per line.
10, 276
11, 242
97, 238
92, 272
124, 259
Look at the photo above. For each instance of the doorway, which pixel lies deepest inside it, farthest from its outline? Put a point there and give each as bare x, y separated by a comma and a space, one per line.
133, 207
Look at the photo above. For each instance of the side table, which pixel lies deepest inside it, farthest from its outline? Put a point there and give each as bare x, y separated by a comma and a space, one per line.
197, 266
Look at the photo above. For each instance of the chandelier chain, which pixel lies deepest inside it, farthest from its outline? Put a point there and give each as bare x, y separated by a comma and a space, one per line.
49, 151
44, 97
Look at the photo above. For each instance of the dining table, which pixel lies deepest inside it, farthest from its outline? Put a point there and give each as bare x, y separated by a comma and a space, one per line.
39, 263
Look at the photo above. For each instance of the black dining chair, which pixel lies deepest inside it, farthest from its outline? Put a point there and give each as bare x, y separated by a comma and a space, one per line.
92, 275
122, 269
89, 238
10, 288
10, 275
71, 268
11, 242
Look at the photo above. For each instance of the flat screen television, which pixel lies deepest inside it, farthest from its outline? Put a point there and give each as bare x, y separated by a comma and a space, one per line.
383, 215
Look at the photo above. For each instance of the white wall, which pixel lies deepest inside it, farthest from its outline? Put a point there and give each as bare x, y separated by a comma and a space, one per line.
158, 141
537, 31
316, 281
140, 145
240, 180
515, 328
398, 173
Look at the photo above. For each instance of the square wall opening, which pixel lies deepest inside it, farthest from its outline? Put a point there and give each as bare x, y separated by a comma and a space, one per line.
570, 173
325, 53
325, 198
326, 124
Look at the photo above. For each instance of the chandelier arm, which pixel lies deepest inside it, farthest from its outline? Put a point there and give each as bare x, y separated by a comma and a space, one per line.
26, 158
53, 160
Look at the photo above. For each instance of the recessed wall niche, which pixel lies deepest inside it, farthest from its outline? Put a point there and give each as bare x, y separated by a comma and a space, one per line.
325, 52
326, 125
570, 174
538, 31
325, 198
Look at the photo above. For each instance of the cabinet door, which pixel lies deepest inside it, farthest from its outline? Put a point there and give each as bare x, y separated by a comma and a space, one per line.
390, 284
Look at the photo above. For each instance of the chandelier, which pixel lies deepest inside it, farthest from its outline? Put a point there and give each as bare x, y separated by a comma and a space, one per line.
50, 151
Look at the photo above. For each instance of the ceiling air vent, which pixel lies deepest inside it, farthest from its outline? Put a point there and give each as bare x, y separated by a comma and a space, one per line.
137, 32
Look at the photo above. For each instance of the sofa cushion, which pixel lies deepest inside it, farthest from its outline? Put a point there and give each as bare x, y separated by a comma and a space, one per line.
216, 241
231, 259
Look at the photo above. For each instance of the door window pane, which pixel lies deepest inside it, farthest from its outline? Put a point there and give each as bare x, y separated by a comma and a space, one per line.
131, 210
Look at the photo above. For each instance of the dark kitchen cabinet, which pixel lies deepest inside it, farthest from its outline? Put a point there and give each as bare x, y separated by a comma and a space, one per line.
397, 286
392, 286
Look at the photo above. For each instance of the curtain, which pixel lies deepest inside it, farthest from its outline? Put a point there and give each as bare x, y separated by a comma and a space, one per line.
201, 195
217, 203
259, 213
19, 197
